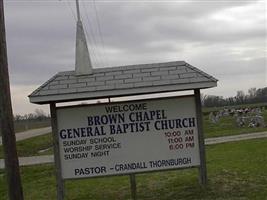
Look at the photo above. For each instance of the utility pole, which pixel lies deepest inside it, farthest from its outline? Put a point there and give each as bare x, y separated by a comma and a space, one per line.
6, 120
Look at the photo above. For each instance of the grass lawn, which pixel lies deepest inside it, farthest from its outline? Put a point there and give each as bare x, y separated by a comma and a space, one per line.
32, 146
236, 170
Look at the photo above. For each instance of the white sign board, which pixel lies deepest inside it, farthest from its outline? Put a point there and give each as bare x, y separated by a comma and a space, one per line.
128, 137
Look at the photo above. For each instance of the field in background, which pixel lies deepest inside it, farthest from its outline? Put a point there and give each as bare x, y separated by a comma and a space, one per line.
25, 125
236, 170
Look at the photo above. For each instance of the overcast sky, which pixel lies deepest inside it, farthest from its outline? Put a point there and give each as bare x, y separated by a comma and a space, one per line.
226, 39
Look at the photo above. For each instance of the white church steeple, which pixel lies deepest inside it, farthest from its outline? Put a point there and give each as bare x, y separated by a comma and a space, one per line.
83, 63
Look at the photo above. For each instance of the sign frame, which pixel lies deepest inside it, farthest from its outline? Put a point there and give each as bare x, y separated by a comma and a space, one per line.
202, 157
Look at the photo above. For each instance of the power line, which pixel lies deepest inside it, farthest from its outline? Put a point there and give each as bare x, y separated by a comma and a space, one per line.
93, 45
98, 36
100, 32
92, 50
71, 9
93, 38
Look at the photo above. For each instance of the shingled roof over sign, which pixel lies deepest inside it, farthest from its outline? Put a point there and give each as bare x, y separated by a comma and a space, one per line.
122, 81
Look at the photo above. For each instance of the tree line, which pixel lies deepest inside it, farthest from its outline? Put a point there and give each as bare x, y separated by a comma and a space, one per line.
252, 96
38, 115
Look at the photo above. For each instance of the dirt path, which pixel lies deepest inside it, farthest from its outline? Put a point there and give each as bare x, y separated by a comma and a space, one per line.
34, 160
233, 138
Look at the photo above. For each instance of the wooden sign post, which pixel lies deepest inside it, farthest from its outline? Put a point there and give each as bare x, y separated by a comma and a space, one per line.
59, 180
202, 154
133, 186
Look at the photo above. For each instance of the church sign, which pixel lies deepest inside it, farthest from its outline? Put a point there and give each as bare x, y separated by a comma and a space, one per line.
128, 137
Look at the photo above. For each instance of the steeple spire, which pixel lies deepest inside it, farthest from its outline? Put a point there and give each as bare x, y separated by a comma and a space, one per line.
78, 10
82, 58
